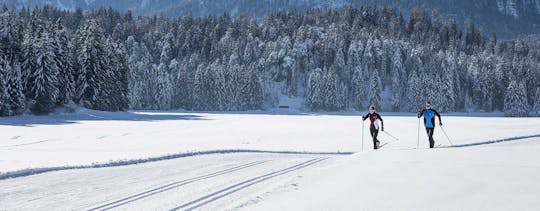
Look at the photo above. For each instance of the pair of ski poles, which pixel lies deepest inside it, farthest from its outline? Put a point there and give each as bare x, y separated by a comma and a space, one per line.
418, 136
382, 131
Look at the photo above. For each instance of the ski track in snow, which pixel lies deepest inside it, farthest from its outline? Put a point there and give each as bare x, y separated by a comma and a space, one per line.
25, 144
242, 185
218, 185
170, 186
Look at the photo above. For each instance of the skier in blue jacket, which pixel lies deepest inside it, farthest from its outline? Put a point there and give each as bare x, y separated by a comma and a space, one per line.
429, 121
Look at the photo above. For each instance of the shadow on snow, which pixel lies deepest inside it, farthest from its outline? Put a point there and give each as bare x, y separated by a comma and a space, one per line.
90, 115
495, 141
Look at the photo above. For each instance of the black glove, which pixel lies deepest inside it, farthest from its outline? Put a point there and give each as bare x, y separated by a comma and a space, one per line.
382, 129
440, 123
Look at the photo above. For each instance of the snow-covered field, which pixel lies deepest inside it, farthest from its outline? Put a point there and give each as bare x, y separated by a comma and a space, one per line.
265, 161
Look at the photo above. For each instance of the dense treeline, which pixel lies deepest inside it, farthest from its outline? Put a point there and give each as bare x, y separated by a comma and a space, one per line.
331, 59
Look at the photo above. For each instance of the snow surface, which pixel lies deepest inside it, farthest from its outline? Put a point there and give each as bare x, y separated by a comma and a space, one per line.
265, 161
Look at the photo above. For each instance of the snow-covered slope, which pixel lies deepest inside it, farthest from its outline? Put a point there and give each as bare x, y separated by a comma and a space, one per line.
266, 161
488, 177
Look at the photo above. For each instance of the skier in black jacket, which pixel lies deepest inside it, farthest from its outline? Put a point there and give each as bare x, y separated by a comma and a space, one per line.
374, 126
429, 121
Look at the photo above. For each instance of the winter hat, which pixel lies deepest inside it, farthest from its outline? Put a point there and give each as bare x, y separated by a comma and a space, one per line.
428, 103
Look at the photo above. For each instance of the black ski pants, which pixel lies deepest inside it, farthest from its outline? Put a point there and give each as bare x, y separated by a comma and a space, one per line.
374, 133
430, 135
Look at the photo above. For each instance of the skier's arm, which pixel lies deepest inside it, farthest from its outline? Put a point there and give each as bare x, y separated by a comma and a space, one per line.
365, 117
421, 113
382, 122
438, 115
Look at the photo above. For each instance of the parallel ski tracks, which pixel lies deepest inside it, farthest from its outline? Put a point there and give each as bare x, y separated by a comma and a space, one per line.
213, 196
177, 184
209, 198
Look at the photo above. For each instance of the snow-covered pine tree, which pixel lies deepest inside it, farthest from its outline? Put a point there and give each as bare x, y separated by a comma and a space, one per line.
181, 86
414, 92
500, 73
28, 57
220, 95
515, 100
118, 82
64, 62
396, 71
357, 92
253, 88
536, 105
10, 36
314, 98
164, 87
233, 86
94, 82
164, 91
4, 95
447, 86
138, 63
329, 90
354, 64
199, 89
43, 82
375, 89
15, 90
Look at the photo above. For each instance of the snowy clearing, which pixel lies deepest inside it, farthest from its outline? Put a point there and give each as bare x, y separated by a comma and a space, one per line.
263, 161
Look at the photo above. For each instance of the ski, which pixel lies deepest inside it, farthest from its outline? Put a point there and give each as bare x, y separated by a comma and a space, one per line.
382, 145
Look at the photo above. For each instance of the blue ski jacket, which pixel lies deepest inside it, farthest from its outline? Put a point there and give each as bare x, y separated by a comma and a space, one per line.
429, 117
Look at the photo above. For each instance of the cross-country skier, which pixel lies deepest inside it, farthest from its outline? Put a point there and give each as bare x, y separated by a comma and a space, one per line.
374, 126
429, 121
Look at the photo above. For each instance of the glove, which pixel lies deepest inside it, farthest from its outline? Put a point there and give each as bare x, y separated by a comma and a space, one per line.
440, 123
382, 129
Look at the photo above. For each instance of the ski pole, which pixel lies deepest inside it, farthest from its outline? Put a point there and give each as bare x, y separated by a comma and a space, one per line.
447, 136
418, 136
362, 134
397, 139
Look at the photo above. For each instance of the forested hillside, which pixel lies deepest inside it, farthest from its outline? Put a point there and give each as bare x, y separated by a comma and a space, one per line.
338, 59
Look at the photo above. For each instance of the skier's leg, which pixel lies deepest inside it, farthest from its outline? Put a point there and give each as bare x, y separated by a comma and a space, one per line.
375, 140
431, 141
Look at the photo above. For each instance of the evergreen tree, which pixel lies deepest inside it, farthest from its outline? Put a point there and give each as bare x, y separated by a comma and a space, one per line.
118, 82
94, 73
163, 89
255, 90
414, 91
64, 62
397, 71
536, 105
4, 94
181, 86
199, 89
17, 100
375, 89
315, 98
515, 100
329, 90
43, 82
358, 96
